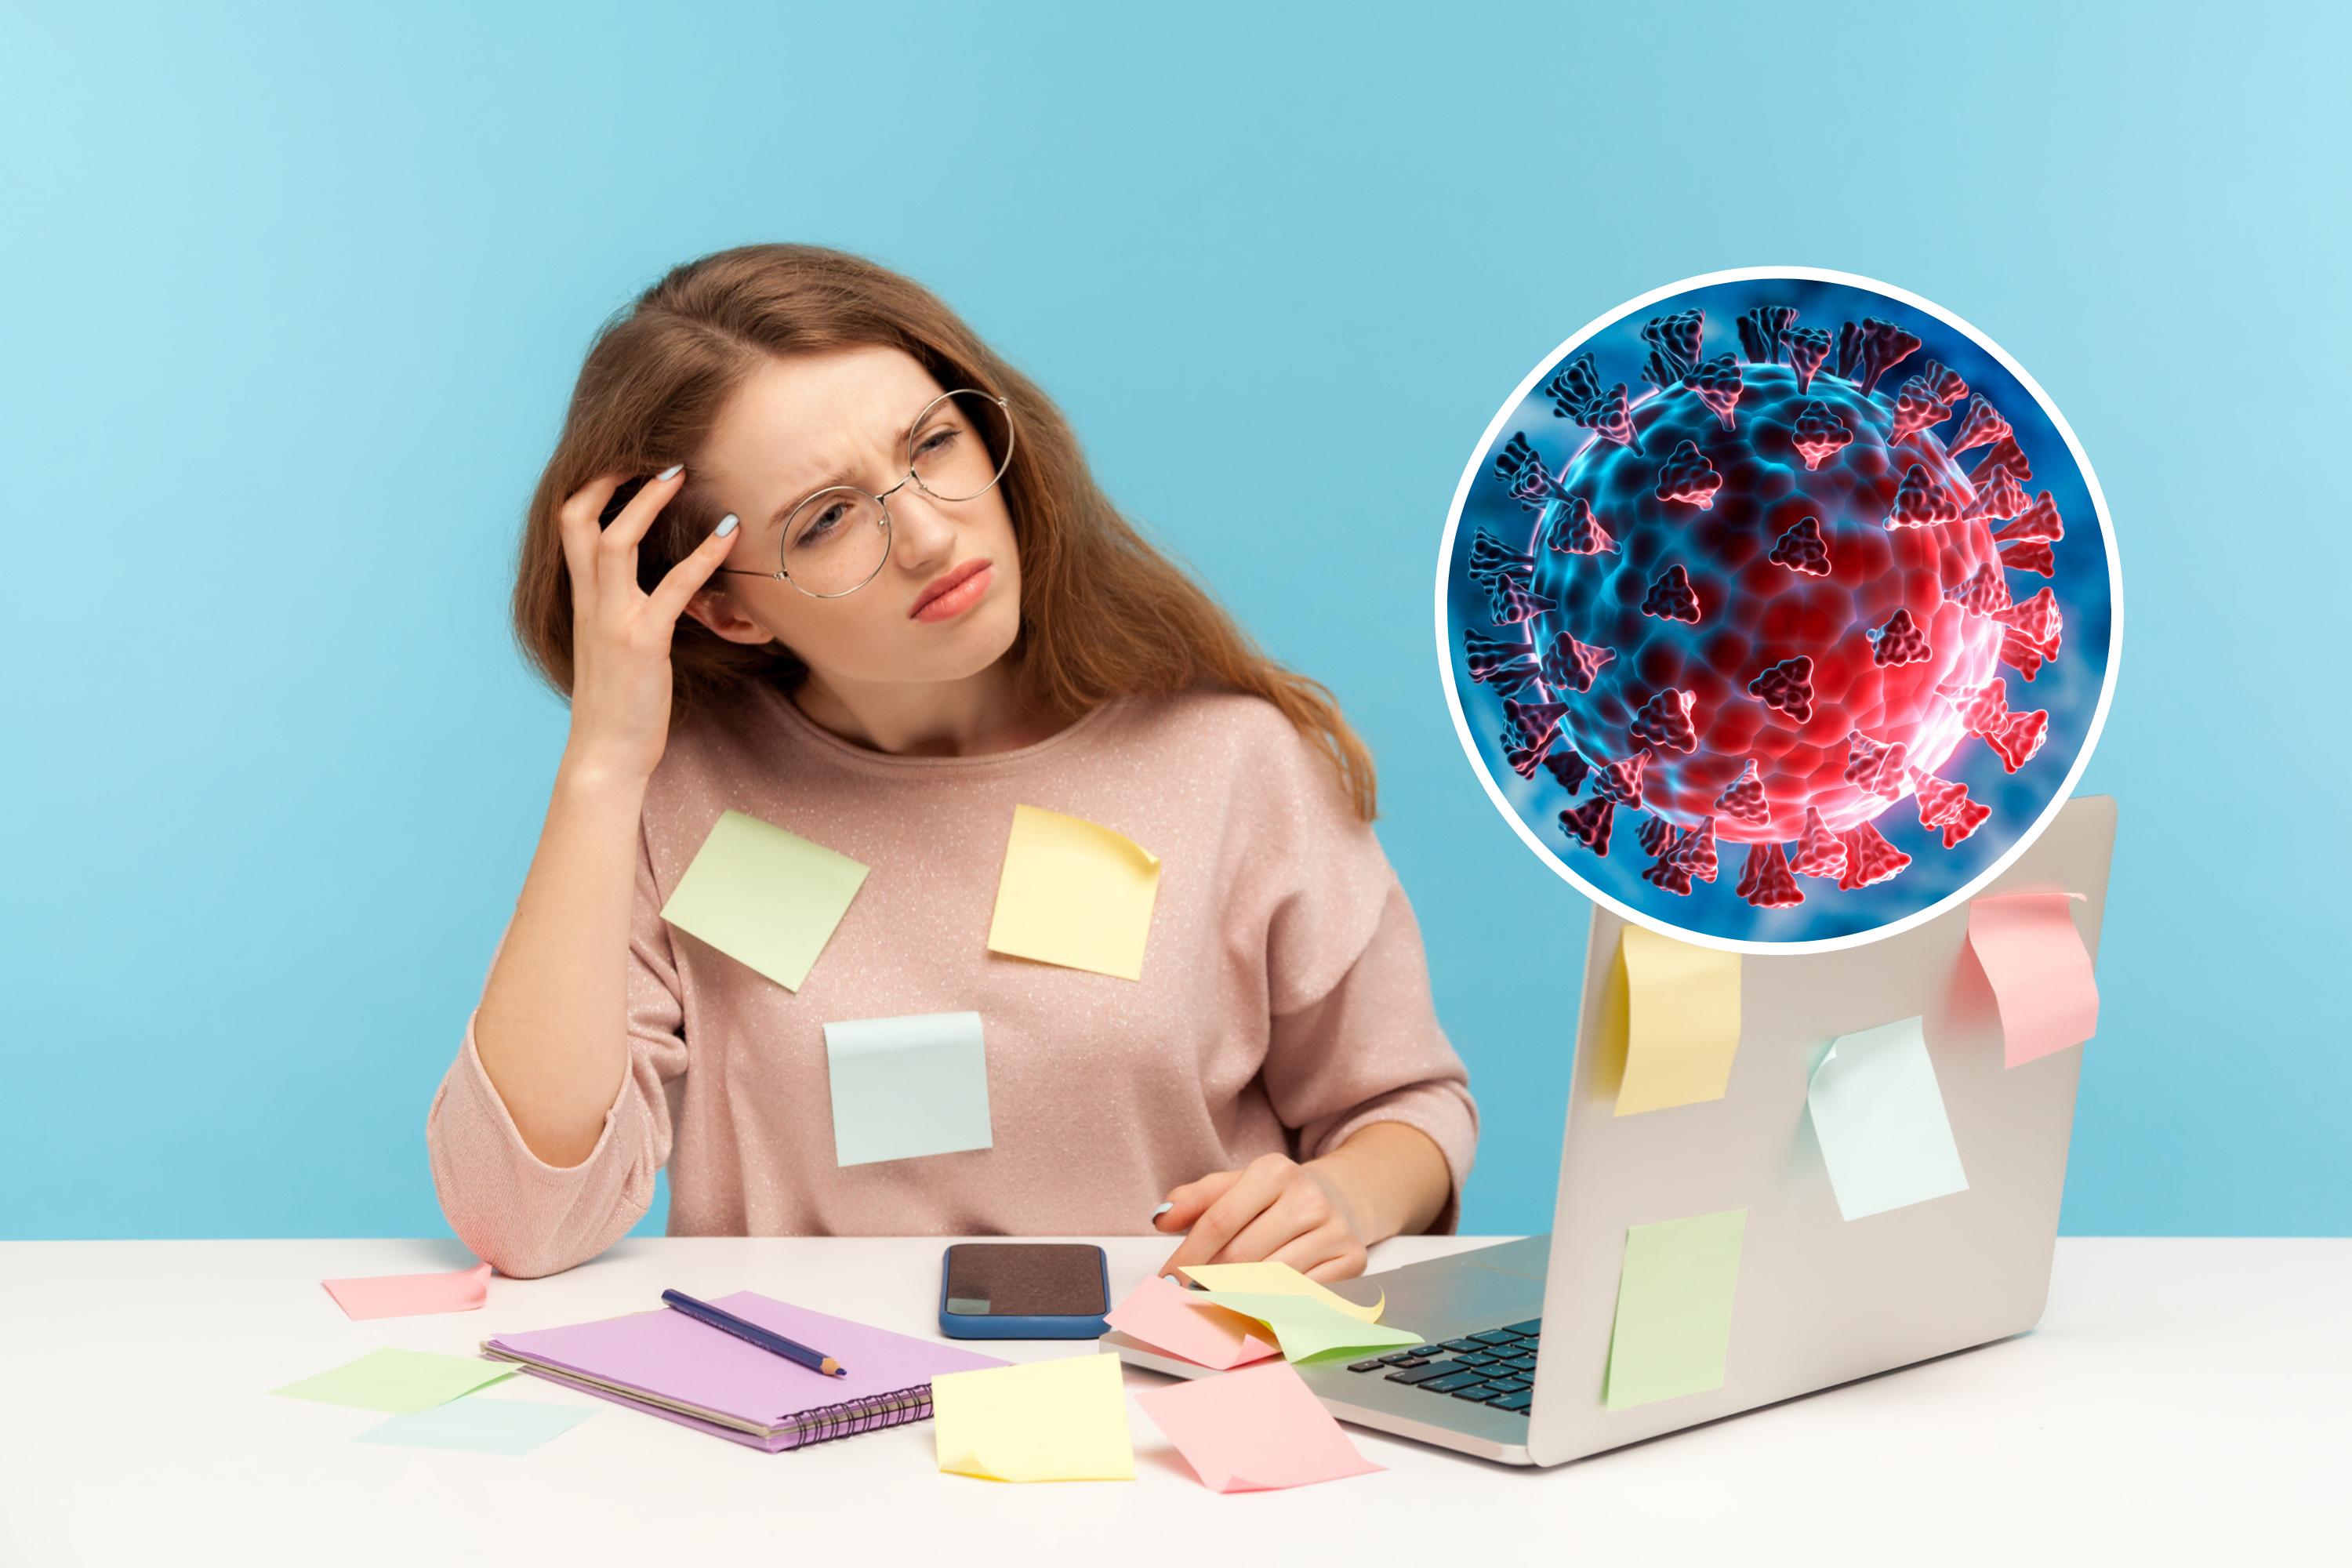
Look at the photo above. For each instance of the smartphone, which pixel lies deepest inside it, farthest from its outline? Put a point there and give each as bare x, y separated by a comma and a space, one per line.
1023, 1290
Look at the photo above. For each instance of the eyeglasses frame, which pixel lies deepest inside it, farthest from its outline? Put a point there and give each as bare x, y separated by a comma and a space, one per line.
883, 498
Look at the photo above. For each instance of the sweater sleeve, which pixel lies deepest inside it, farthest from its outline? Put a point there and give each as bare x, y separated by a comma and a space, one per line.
1355, 1038
530, 1218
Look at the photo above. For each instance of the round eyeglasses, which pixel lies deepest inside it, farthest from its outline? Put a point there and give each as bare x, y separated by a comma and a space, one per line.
835, 541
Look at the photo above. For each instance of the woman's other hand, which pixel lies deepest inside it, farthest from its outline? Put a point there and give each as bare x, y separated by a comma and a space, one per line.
621, 634
1274, 1208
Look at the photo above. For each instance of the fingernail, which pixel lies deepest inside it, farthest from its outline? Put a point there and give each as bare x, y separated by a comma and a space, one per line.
726, 525
671, 472
1162, 1209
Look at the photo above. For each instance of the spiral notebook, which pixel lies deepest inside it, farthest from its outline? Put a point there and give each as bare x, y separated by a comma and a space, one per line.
667, 1364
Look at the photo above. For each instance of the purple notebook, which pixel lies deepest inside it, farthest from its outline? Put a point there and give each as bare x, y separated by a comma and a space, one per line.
668, 1364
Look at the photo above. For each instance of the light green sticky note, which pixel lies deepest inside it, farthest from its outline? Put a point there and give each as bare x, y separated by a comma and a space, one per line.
480, 1425
1880, 1119
907, 1087
1306, 1327
398, 1381
1674, 1308
764, 896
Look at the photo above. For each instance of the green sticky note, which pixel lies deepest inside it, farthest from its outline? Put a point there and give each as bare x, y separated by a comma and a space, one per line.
764, 896
478, 1426
1674, 1308
1305, 1326
398, 1382
907, 1087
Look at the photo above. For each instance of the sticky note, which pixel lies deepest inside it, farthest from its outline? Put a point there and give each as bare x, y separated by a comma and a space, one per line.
1673, 1329
1305, 1327
1270, 1279
478, 1426
1682, 1025
398, 1381
764, 896
411, 1295
1254, 1430
907, 1087
1074, 893
1061, 1420
1879, 1117
1168, 1317
2040, 970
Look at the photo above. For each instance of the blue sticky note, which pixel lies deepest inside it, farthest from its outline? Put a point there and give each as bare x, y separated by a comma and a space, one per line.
478, 1426
1880, 1119
907, 1087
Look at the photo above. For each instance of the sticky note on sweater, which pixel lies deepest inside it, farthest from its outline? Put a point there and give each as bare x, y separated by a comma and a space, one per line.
764, 896
1073, 892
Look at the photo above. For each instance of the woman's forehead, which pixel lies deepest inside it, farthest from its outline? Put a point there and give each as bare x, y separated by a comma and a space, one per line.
803, 422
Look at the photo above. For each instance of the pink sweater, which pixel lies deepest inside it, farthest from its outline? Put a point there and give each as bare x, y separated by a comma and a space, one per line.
1284, 1002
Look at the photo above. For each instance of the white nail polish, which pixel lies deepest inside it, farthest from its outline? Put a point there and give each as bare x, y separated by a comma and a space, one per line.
1162, 1209
671, 472
726, 525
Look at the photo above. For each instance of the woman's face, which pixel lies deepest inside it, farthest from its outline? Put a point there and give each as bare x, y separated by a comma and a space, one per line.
842, 417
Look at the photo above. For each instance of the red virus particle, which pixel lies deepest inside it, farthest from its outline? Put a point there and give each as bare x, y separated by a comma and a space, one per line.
1764, 602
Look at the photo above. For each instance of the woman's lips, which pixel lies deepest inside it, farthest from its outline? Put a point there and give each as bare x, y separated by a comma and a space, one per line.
959, 598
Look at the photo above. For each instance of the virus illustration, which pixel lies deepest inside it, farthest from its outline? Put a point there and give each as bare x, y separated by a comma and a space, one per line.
1765, 600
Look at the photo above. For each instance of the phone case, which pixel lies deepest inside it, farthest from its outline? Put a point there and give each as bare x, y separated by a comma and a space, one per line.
1025, 1291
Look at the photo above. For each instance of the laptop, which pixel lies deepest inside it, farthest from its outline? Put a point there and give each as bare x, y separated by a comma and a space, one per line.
1518, 1332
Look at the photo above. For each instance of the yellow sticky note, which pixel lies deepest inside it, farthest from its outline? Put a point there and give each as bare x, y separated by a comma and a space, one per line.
1304, 1327
1682, 1022
1270, 1279
1063, 1420
1074, 893
764, 896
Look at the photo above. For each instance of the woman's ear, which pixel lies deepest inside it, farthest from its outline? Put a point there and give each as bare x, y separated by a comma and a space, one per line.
716, 609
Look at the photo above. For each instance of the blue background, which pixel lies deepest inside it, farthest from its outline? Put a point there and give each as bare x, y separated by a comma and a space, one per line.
295, 297
2067, 689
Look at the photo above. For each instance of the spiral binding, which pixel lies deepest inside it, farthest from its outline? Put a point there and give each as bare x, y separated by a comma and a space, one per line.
869, 1414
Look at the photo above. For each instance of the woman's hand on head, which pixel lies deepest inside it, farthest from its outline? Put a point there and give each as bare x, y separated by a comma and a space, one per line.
621, 634
1274, 1208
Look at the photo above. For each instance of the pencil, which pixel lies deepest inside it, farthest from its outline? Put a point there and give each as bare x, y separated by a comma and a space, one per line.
753, 1333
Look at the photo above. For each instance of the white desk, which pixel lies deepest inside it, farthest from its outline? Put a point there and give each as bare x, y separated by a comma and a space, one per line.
2182, 1396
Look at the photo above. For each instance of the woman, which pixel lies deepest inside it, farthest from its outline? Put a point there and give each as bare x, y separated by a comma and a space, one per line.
889, 674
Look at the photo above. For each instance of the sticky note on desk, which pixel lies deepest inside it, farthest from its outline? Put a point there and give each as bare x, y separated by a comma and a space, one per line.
1168, 1317
480, 1425
2040, 971
1682, 1024
1254, 1430
1673, 1331
1879, 1117
1268, 1278
1060, 1420
411, 1295
1305, 1327
764, 896
1073, 892
907, 1087
397, 1381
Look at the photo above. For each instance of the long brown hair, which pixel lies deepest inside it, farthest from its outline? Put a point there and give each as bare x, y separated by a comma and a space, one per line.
1102, 612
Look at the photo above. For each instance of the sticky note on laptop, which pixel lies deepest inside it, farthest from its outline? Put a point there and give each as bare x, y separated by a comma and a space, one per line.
907, 1087
1060, 1420
1878, 1114
1268, 1278
764, 896
1073, 892
2041, 971
1682, 1023
1172, 1320
1673, 1331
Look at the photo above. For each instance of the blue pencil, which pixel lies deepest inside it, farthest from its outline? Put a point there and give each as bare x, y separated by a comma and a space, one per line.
766, 1339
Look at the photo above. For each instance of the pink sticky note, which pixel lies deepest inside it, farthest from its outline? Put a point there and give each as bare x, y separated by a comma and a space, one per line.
410, 1295
1254, 1430
2041, 972
1167, 1317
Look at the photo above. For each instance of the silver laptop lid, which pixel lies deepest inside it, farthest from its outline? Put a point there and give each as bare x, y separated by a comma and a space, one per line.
1819, 1299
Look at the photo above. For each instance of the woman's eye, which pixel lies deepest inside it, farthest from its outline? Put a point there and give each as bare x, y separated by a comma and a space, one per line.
934, 442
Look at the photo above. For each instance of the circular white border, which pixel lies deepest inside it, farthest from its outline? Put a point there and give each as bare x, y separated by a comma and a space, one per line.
1824, 944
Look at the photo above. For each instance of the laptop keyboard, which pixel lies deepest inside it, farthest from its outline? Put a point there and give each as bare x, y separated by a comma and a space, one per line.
1497, 1368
